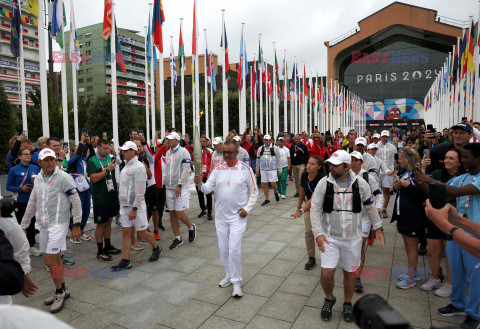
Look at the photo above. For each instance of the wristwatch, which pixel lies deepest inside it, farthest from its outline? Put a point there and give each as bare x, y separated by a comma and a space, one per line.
450, 233
135, 208
107, 171
60, 160
180, 185
76, 224
301, 211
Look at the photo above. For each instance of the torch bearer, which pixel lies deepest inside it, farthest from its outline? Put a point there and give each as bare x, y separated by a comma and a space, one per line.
197, 148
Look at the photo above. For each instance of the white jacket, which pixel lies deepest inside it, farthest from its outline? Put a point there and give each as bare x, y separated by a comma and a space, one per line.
243, 156
18, 239
386, 153
132, 185
268, 162
177, 168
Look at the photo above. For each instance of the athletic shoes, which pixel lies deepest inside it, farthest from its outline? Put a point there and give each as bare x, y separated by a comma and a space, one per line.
137, 247
104, 257
311, 263
237, 290
85, 237
277, 197
470, 323
371, 238
406, 284
265, 202
121, 266
326, 313
192, 234
358, 286
209, 215
347, 312
111, 250
32, 251
422, 249
58, 301
203, 213
283, 196
384, 214
450, 310
75, 241
225, 282
444, 291
431, 284
67, 261
155, 254
156, 236
176, 243
49, 300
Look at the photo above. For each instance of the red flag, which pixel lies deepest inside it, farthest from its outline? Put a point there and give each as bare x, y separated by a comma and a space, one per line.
107, 19
239, 75
157, 21
195, 31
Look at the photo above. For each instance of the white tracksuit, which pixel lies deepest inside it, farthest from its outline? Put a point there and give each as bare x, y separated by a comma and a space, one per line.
231, 186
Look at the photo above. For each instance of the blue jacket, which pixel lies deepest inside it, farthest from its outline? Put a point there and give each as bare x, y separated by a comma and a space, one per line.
19, 176
13, 154
75, 164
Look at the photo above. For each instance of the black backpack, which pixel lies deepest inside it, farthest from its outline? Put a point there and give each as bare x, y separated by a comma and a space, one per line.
329, 194
272, 150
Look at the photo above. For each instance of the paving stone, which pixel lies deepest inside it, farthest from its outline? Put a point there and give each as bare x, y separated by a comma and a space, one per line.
259, 237
97, 318
147, 317
279, 267
263, 285
179, 292
257, 212
310, 318
273, 246
258, 258
283, 236
98, 296
415, 311
412, 293
162, 279
215, 322
283, 306
132, 279
190, 315
241, 309
132, 301
262, 322
299, 284
212, 293
292, 254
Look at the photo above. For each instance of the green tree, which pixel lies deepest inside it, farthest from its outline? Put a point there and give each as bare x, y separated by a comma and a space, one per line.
7, 129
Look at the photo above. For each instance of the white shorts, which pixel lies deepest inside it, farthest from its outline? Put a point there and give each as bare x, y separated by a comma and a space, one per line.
269, 176
181, 203
350, 250
140, 223
366, 226
53, 240
386, 181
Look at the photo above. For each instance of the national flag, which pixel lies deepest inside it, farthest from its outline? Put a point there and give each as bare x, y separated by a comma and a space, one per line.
195, 29
119, 55
181, 53
107, 20
463, 53
150, 48
157, 21
74, 45
58, 21
254, 73
305, 80
239, 75
208, 63
15, 29
260, 55
243, 55
173, 66
214, 74
455, 66
32, 7
226, 63
276, 67
471, 46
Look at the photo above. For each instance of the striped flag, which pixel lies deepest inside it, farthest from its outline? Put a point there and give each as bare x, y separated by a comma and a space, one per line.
58, 21
181, 53
107, 20
74, 45
15, 29
157, 21
173, 66
227, 64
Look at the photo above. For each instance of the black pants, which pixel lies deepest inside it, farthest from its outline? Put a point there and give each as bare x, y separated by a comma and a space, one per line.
201, 199
20, 208
162, 199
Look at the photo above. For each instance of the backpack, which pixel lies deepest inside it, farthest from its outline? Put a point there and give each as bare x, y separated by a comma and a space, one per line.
365, 176
272, 151
329, 194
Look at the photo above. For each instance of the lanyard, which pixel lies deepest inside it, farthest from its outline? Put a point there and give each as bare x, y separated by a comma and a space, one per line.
410, 178
26, 176
467, 203
176, 149
298, 148
101, 164
308, 184
348, 186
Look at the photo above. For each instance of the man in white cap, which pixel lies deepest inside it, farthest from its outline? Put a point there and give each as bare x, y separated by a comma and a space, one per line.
386, 152
336, 216
217, 155
380, 167
375, 138
54, 193
286, 166
177, 180
367, 233
242, 153
133, 209
269, 161
369, 162
232, 181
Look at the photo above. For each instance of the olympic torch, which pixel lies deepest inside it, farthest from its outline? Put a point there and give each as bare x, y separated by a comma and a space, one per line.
197, 147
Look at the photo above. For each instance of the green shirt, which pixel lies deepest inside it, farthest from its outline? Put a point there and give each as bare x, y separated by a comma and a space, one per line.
100, 194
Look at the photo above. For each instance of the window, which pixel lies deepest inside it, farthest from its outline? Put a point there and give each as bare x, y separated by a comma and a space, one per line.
88, 44
90, 88
80, 81
90, 96
89, 80
80, 37
80, 72
88, 71
88, 53
88, 35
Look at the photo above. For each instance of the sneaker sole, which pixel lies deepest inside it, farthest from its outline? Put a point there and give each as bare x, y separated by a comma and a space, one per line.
406, 288
67, 296
225, 285
452, 314
237, 296
310, 268
178, 245
104, 260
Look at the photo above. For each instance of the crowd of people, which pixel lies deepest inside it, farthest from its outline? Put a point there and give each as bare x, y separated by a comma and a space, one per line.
343, 184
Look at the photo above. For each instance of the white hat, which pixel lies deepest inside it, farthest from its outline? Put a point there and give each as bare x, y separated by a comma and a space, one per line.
174, 135
158, 143
385, 133
376, 135
371, 146
237, 138
217, 140
357, 155
340, 157
129, 146
280, 138
361, 140
45, 153
267, 137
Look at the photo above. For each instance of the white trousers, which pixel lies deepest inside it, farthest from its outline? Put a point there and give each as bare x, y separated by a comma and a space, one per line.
230, 236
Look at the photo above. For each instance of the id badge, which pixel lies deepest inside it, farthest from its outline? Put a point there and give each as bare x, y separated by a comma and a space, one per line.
110, 187
294, 154
347, 223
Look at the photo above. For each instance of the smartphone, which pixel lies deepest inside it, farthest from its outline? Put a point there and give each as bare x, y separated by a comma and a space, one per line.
464, 119
426, 152
65, 145
104, 134
437, 194
140, 133
84, 131
114, 160
430, 127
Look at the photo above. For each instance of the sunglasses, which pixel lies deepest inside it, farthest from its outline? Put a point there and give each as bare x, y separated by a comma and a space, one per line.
228, 152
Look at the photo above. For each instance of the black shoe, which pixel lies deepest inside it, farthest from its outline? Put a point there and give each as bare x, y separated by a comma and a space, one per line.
470, 323
347, 312
311, 263
277, 197
203, 213
265, 202
192, 234
104, 257
122, 266
296, 195
176, 243
450, 310
155, 254
111, 250
422, 250
327, 309
209, 215
358, 286
160, 226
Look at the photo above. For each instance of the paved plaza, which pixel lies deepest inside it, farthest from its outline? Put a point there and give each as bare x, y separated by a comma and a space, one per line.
181, 289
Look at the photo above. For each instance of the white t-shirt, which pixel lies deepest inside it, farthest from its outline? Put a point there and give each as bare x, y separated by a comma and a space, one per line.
285, 155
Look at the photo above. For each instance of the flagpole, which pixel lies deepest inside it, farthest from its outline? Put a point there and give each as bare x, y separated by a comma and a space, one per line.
23, 94
254, 88
182, 79
224, 81
274, 105
205, 66
113, 69
152, 79
147, 100
74, 74
42, 57
211, 98
244, 84
66, 138
251, 96
285, 115
172, 90
260, 62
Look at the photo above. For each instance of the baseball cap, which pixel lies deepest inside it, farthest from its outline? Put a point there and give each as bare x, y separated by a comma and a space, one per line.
237, 138
361, 140
158, 143
463, 126
280, 139
267, 137
129, 146
340, 157
45, 153
217, 140
376, 135
371, 146
174, 135
357, 155
385, 133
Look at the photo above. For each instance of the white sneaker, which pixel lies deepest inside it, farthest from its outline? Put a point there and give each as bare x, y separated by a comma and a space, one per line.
431, 284
47, 268
283, 196
237, 290
85, 237
34, 252
75, 241
225, 282
444, 291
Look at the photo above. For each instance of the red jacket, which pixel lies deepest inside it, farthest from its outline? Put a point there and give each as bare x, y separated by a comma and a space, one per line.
158, 165
206, 162
316, 149
246, 144
328, 151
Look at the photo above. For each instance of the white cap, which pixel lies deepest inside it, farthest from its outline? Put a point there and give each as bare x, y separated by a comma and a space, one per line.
385, 133
371, 146
129, 146
376, 135
361, 140
173, 135
45, 153
237, 138
280, 138
357, 155
340, 157
267, 137
158, 143
217, 140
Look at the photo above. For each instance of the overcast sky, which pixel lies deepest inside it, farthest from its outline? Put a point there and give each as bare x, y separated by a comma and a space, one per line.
299, 26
